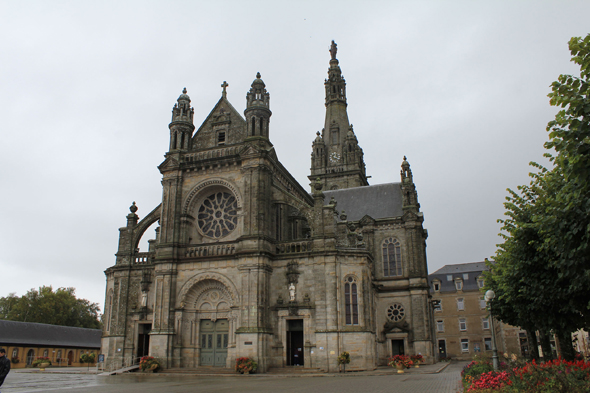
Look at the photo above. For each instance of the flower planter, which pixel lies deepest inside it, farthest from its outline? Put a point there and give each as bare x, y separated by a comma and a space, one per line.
400, 368
43, 365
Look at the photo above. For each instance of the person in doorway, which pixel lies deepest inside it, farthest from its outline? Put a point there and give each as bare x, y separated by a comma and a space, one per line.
4, 365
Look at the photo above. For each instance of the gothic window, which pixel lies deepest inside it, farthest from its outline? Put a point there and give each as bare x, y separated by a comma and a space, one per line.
218, 215
253, 125
392, 258
14, 353
351, 301
396, 312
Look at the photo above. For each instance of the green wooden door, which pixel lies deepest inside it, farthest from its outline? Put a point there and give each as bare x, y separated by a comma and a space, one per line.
214, 340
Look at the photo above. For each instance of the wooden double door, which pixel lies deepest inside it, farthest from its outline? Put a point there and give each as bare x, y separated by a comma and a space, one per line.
214, 341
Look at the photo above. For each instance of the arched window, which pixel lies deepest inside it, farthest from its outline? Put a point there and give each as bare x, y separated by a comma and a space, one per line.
392, 258
30, 357
351, 301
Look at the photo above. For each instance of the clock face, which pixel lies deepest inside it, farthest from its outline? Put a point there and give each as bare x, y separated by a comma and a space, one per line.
334, 157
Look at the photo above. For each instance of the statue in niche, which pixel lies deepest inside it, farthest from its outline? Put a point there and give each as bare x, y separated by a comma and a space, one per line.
144, 299
291, 292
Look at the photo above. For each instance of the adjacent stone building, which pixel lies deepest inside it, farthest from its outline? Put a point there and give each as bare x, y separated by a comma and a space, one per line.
462, 320
246, 262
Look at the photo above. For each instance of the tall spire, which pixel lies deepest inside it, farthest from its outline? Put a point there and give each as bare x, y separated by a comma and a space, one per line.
341, 163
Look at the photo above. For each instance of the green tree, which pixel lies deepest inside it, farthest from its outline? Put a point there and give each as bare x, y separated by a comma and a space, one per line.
542, 269
60, 307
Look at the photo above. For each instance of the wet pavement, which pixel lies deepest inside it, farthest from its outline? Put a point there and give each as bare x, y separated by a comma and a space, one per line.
434, 378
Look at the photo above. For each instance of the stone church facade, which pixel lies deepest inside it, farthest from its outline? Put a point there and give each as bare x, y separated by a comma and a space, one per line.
246, 262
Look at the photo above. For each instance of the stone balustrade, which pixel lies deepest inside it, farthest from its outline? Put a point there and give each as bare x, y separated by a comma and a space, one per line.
294, 247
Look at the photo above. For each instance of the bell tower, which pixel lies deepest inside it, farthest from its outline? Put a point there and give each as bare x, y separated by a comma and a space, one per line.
337, 159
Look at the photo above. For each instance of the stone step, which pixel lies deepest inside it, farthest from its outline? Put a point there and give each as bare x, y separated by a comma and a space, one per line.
293, 370
201, 370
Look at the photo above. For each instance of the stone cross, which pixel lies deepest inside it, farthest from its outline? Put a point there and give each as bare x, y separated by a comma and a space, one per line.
224, 85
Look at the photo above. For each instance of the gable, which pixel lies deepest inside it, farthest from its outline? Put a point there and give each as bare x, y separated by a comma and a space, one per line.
223, 119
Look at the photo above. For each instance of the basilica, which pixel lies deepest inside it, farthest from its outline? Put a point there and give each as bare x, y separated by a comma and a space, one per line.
246, 262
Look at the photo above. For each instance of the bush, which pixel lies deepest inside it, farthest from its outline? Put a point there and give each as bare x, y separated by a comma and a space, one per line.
149, 363
549, 377
15, 360
245, 365
402, 360
344, 358
40, 360
87, 358
474, 370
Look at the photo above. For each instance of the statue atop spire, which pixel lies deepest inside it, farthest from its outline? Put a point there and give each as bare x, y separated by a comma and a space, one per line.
333, 50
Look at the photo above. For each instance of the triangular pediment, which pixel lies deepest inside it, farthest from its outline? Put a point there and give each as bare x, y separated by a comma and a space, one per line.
222, 118
250, 150
223, 111
169, 164
367, 221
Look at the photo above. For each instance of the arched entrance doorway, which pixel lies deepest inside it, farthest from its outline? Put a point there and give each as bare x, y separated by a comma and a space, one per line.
214, 341
70, 358
30, 357
206, 301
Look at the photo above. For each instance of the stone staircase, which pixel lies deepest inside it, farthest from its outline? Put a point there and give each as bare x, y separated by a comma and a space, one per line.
294, 370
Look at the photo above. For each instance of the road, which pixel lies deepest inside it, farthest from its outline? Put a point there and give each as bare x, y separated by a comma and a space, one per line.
447, 381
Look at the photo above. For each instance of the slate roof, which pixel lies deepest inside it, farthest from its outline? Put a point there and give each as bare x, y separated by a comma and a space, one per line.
40, 334
473, 270
378, 201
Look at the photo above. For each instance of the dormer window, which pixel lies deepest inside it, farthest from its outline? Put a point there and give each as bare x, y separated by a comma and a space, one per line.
459, 284
436, 286
480, 282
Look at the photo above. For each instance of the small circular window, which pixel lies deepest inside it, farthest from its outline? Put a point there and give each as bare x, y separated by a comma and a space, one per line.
218, 215
396, 312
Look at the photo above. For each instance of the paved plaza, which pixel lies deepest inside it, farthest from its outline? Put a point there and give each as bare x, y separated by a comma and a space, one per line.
421, 380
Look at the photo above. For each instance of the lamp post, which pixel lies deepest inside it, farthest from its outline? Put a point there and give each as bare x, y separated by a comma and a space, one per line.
489, 296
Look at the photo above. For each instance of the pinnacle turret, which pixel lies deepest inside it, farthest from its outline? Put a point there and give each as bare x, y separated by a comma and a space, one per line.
258, 109
181, 127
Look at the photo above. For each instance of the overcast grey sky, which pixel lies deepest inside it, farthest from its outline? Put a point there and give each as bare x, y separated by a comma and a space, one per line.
87, 88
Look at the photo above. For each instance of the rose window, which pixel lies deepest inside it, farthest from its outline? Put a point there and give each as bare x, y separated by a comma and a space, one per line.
396, 312
218, 215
